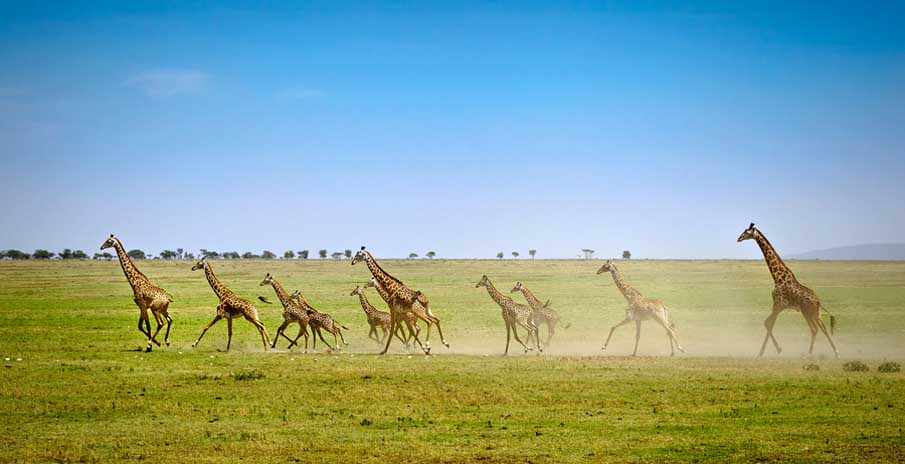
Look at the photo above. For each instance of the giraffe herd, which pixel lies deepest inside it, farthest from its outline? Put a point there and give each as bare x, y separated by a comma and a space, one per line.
409, 307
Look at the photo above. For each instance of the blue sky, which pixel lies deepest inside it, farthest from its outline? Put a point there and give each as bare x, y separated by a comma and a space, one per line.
463, 127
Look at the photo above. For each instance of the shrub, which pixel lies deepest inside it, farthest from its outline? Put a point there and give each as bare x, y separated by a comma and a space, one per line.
889, 367
253, 374
855, 366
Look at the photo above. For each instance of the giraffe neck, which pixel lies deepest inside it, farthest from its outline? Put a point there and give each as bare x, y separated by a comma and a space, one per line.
365, 304
219, 289
382, 292
284, 297
133, 275
777, 267
627, 291
532, 300
383, 278
496, 295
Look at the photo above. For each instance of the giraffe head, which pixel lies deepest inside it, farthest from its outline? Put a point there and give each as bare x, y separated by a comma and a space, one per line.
608, 266
201, 264
750, 233
484, 282
109, 243
267, 280
296, 295
518, 287
357, 291
359, 256
372, 283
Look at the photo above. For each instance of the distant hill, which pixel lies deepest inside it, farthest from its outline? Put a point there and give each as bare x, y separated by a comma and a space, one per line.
886, 252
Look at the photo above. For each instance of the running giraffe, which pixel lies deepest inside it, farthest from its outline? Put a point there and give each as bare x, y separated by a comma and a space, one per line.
318, 320
640, 308
231, 306
408, 318
293, 312
540, 312
145, 294
402, 299
513, 314
376, 319
788, 293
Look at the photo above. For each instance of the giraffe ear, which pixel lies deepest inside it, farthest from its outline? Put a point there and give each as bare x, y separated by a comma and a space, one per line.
362, 248
111, 235
751, 226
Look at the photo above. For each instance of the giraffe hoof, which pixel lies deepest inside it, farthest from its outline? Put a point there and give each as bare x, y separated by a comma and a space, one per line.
167, 342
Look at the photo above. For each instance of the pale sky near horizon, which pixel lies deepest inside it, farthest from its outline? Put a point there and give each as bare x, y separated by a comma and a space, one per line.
466, 128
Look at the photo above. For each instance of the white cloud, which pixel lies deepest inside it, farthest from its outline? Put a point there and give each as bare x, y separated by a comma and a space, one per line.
169, 82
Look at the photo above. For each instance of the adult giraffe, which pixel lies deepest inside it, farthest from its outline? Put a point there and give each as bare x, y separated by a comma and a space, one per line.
788, 293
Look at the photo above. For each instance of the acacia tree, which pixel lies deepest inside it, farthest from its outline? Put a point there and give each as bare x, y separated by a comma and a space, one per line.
180, 253
413, 255
337, 255
136, 254
322, 254
168, 254
347, 254
40, 254
303, 254
588, 253
499, 255
231, 255
268, 255
249, 255
626, 254
515, 255
431, 254
288, 254
532, 253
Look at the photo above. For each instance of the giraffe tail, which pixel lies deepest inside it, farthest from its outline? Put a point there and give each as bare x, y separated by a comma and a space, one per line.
832, 319
547, 304
264, 300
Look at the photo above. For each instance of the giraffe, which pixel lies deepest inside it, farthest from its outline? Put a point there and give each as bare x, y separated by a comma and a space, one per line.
788, 293
540, 312
514, 314
402, 299
640, 308
293, 312
230, 307
145, 294
318, 320
408, 318
376, 319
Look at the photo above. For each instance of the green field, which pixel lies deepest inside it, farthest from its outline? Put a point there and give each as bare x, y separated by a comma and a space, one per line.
77, 388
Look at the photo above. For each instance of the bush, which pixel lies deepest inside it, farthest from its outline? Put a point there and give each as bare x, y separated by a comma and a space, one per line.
253, 374
889, 367
855, 366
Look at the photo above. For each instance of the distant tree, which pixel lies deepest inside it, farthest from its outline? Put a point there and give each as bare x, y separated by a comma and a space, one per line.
65, 254
500, 255
515, 255
189, 256
303, 254
3, 254
231, 255
587, 252
347, 254
322, 254
136, 254
16, 254
97, 257
41, 254
208, 254
79, 254
268, 255
336, 255
168, 254
180, 253
626, 254
249, 255
104, 256
532, 253
288, 254
431, 254
413, 255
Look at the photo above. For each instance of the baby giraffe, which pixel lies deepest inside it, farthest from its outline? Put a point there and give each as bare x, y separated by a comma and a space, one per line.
540, 312
292, 313
376, 319
318, 320
514, 314
409, 319
230, 307
640, 308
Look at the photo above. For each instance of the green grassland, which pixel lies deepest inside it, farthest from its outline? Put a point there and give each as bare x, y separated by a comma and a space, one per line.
77, 388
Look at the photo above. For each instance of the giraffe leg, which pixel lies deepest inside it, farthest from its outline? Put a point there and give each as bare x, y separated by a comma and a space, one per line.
166, 338
229, 328
265, 339
303, 330
637, 337
670, 333
551, 328
417, 340
372, 334
613, 329
159, 319
536, 330
515, 333
321, 336
508, 336
279, 332
830, 339
768, 324
436, 320
142, 317
812, 326
394, 324
341, 337
208, 326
